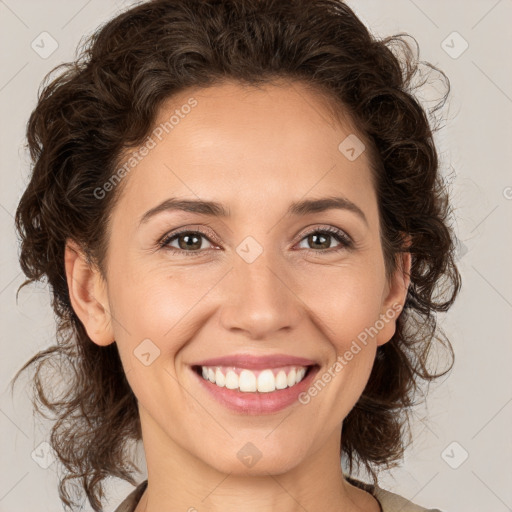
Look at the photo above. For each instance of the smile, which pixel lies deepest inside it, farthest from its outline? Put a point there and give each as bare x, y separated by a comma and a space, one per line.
255, 391
250, 381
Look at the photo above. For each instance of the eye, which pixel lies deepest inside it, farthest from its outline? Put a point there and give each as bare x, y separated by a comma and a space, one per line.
322, 238
188, 242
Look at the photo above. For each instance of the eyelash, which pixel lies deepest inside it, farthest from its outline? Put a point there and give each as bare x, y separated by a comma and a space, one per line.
337, 234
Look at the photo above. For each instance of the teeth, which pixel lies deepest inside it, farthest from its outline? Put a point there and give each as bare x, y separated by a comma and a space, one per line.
266, 382
291, 377
231, 380
247, 381
281, 380
220, 380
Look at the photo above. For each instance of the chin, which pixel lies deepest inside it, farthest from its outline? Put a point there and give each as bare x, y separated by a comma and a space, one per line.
254, 461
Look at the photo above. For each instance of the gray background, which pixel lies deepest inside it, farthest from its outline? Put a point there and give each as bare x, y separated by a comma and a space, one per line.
469, 414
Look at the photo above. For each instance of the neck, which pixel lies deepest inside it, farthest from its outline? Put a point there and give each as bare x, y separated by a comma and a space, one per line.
179, 480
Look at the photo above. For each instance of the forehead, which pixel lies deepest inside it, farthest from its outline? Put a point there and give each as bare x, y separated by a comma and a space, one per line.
267, 143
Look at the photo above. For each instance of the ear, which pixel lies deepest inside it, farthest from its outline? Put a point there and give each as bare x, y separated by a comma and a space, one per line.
394, 296
88, 295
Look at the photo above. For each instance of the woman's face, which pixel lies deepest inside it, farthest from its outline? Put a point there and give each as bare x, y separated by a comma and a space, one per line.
262, 279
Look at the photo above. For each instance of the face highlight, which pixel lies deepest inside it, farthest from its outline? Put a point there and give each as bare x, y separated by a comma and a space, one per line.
245, 230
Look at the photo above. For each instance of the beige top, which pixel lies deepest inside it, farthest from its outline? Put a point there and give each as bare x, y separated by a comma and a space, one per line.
389, 502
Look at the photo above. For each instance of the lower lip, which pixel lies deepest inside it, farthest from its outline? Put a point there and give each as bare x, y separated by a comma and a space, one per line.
254, 403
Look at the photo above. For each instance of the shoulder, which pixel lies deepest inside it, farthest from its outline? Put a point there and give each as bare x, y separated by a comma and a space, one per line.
392, 502
389, 501
130, 502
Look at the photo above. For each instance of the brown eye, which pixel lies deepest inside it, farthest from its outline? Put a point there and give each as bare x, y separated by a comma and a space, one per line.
188, 242
321, 239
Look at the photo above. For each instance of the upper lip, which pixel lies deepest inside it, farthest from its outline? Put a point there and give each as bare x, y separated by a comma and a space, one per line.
256, 362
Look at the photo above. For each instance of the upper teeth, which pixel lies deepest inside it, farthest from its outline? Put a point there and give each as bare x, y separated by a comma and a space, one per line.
245, 380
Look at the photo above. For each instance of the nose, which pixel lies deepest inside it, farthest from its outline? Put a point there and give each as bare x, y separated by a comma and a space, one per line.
260, 300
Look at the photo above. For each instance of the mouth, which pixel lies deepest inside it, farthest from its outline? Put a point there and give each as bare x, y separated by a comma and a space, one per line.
255, 391
247, 380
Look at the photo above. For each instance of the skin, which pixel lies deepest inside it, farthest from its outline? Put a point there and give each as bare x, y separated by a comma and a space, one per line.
256, 151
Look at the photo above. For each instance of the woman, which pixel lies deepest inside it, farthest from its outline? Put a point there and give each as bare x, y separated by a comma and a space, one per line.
238, 207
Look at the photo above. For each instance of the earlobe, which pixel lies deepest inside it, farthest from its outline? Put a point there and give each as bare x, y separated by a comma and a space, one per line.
88, 295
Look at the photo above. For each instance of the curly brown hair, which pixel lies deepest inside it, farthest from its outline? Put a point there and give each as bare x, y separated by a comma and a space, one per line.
105, 102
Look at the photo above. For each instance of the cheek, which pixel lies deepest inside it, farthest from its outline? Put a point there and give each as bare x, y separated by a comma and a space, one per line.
147, 297
166, 306
346, 300
346, 303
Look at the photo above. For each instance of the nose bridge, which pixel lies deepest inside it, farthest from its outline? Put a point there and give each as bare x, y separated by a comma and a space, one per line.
260, 300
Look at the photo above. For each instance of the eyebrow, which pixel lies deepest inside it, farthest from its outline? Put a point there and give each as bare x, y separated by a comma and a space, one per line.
214, 209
